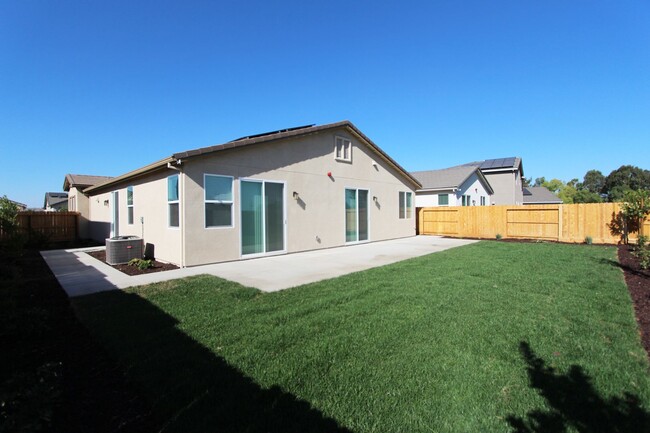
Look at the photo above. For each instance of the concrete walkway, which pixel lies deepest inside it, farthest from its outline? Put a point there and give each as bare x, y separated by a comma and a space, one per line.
80, 274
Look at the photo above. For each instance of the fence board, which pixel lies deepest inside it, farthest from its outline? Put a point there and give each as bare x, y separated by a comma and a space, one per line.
564, 223
48, 226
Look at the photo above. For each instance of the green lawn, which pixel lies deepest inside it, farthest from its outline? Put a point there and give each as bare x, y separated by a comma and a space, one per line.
489, 337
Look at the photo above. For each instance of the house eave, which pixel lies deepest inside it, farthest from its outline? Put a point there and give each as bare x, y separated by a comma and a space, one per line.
104, 186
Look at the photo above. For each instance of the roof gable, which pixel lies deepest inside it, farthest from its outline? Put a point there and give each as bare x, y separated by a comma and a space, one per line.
258, 139
449, 178
82, 180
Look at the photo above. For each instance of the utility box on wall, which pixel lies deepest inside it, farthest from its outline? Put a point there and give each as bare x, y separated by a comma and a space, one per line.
122, 249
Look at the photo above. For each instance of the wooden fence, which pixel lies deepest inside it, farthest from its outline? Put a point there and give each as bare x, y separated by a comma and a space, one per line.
563, 223
47, 226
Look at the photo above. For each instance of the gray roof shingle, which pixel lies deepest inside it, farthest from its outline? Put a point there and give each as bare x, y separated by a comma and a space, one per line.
82, 180
447, 178
539, 195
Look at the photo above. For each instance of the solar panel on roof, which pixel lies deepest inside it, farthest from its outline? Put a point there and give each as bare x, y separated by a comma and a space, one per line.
273, 132
498, 163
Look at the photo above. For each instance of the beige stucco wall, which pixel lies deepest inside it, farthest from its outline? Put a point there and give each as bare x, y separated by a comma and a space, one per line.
150, 204
503, 184
78, 202
317, 219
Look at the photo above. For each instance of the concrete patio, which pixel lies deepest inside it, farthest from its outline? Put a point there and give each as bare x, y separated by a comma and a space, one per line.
80, 274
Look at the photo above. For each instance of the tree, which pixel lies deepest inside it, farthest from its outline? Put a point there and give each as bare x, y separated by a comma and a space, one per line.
553, 185
585, 196
593, 181
623, 179
8, 215
567, 194
634, 210
539, 181
527, 181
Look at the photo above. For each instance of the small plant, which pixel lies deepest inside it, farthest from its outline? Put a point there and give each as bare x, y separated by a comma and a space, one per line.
141, 264
499, 237
642, 252
589, 240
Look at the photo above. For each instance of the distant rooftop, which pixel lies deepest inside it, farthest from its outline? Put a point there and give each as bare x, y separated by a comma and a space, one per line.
539, 195
447, 178
82, 180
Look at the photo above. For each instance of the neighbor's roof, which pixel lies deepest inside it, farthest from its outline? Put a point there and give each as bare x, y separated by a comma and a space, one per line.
250, 140
449, 178
53, 198
509, 163
539, 195
82, 180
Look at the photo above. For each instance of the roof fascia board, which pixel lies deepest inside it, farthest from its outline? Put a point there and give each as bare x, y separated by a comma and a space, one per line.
101, 187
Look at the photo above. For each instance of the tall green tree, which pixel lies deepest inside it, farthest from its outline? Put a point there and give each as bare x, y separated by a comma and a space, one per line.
593, 181
623, 179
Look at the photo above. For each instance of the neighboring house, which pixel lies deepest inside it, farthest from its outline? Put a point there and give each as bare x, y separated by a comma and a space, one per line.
285, 191
55, 201
539, 195
74, 184
463, 185
21, 206
505, 176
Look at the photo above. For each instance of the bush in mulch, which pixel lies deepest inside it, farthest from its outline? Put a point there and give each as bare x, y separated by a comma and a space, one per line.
156, 266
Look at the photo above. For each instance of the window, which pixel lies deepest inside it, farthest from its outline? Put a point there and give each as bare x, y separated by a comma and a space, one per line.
129, 204
443, 199
466, 200
343, 149
174, 216
218, 200
405, 204
72, 204
482, 201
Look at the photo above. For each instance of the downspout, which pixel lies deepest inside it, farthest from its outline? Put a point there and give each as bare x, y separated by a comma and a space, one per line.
181, 190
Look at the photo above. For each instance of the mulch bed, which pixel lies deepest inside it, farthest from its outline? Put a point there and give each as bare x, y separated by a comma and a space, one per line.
638, 282
133, 270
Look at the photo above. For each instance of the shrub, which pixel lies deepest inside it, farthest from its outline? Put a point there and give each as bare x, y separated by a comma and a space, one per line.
642, 252
589, 240
141, 264
499, 236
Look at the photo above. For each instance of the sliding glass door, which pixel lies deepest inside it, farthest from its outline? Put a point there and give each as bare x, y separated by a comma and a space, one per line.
356, 215
262, 217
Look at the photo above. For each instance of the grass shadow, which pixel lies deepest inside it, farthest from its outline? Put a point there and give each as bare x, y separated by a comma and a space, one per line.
617, 264
189, 387
574, 403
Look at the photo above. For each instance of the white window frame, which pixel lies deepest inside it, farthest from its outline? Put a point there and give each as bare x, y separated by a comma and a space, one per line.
231, 202
177, 201
408, 210
446, 204
130, 216
342, 149
483, 200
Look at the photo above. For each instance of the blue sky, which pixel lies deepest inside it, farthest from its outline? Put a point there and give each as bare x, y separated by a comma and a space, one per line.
106, 87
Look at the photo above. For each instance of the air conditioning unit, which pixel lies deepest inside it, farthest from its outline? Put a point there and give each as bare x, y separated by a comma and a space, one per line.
121, 249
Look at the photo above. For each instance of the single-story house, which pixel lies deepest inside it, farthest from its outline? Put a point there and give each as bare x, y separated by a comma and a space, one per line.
74, 184
463, 185
55, 201
285, 191
505, 176
540, 195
